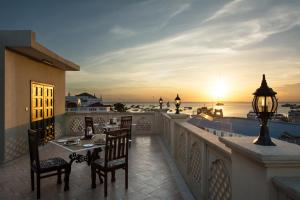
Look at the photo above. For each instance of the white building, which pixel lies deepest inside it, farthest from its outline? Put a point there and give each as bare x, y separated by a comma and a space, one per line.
83, 100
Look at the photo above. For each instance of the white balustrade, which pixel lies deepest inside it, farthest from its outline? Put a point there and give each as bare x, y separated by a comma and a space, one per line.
204, 162
213, 166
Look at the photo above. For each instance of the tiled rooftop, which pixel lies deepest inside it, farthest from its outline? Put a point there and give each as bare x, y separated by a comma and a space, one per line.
150, 176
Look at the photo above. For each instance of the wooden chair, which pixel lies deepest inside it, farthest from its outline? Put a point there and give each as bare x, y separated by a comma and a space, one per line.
88, 123
115, 157
126, 122
45, 166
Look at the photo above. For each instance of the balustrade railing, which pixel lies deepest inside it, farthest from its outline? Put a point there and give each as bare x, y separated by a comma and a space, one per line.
213, 167
202, 159
143, 123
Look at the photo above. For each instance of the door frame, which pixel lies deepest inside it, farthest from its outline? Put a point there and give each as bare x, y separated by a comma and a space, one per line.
53, 97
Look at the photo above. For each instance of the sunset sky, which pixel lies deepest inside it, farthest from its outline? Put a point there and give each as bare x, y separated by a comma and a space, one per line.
138, 50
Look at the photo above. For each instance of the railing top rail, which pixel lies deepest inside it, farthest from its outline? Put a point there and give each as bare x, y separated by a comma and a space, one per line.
288, 185
206, 137
166, 115
109, 113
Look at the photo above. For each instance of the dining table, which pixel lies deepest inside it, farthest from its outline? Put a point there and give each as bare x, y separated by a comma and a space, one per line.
81, 149
108, 126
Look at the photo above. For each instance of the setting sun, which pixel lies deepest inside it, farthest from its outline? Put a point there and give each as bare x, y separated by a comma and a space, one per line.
219, 89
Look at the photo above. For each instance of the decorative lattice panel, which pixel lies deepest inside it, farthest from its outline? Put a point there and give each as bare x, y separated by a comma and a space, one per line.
181, 147
195, 163
58, 130
219, 181
77, 126
143, 124
101, 122
15, 147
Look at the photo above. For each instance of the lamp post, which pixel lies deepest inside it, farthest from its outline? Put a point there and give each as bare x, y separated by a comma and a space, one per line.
160, 102
264, 105
177, 104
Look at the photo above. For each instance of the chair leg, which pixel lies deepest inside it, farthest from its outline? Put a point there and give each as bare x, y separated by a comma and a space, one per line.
105, 184
67, 177
32, 179
113, 176
59, 176
38, 180
126, 177
93, 176
100, 178
130, 140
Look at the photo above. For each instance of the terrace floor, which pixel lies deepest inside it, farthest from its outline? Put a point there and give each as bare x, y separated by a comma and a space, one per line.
150, 176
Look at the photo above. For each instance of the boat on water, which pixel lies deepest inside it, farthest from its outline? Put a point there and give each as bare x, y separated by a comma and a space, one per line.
288, 105
209, 113
276, 117
294, 116
251, 115
219, 104
204, 109
188, 108
295, 106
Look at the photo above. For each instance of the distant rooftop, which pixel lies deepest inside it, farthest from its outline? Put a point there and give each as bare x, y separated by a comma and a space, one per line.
86, 94
248, 127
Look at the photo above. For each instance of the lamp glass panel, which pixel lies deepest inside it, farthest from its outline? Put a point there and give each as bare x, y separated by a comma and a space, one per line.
261, 104
254, 103
269, 104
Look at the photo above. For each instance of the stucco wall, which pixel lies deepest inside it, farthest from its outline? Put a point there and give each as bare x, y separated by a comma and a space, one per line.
19, 71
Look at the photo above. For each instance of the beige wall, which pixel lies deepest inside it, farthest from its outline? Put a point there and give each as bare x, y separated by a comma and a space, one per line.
19, 71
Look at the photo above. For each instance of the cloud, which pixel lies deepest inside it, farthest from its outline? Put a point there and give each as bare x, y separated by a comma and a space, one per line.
217, 46
178, 11
234, 7
203, 43
122, 32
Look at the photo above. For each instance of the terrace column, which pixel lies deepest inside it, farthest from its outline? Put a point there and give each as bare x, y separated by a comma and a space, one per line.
254, 166
175, 118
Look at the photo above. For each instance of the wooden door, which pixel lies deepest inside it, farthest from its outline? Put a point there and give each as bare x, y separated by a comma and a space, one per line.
42, 110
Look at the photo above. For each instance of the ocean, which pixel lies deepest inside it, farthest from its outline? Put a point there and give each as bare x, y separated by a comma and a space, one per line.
230, 109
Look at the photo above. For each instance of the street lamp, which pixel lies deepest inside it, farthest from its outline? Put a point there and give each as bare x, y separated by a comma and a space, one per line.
177, 104
160, 102
264, 105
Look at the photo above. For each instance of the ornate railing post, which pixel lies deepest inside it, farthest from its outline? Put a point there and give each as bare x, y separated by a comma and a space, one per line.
254, 166
173, 131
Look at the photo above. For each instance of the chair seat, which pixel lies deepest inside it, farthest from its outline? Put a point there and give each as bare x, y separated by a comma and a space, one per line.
110, 164
52, 164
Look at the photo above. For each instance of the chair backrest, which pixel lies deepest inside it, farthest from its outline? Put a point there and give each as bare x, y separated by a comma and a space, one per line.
89, 123
116, 145
34, 139
126, 122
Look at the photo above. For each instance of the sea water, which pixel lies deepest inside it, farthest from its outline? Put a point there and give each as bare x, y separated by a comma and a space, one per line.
230, 109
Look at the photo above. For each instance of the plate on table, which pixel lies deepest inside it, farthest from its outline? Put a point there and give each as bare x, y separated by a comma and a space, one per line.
88, 145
